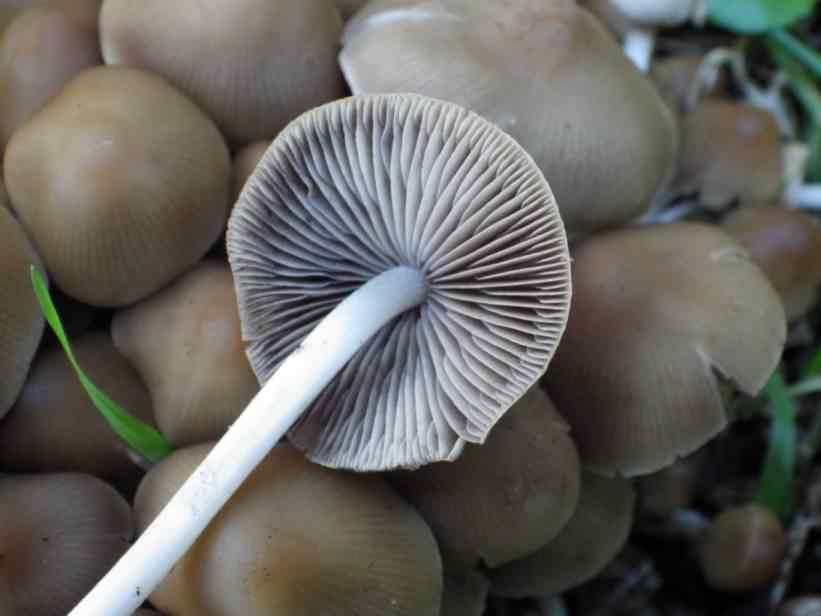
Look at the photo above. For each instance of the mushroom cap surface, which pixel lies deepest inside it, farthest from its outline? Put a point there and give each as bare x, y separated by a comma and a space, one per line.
659, 12
546, 72
658, 312
359, 186
298, 539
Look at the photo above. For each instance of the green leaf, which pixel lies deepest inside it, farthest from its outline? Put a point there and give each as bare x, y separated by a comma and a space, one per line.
804, 53
138, 435
775, 487
812, 367
757, 16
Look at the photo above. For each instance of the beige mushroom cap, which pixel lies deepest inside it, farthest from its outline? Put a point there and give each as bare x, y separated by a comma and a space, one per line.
59, 534
298, 539
186, 345
21, 322
505, 499
545, 72
658, 313
786, 244
591, 539
252, 65
55, 426
729, 151
122, 183
243, 165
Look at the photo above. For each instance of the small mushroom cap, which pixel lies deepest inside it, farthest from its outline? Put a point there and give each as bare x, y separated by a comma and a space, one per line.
55, 426
658, 312
118, 164
185, 343
786, 244
659, 12
591, 539
729, 151
21, 322
41, 49
298, 539
505, 499
359, 186
252, 65
547, 73
59, 534
742, 549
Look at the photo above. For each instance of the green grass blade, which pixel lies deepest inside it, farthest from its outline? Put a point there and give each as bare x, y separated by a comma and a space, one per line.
775, 487
138, 435
801, 82
804, 53
812, 367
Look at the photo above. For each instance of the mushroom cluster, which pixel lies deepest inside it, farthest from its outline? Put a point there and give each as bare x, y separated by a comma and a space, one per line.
411, 345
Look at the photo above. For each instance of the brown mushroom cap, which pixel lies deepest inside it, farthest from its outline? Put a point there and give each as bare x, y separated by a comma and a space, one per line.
742, 549
505, 499
40, 51
55, 426
674, 76
658, 312
591, 539
729, 151
21, 322
59, 533
295, 539
359, 186
545, 72
185, 343
252, 65
786, 244
122, 183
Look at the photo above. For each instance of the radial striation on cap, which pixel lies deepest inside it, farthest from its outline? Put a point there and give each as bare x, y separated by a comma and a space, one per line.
359, 186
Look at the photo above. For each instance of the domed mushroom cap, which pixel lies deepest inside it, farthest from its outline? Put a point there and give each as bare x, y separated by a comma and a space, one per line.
122, 183
591, 539
660, 12
185, 343
546, 72
59, 533
507, 498
360, 186
21, 322
786, 244
659, 312
55, 426
252, 65
729, 151
298, 539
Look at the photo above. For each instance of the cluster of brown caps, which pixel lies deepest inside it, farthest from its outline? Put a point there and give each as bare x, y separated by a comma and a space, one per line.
129, 131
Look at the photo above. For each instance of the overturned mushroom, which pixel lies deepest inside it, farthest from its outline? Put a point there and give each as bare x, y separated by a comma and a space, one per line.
595, 533
298, 539
660, 313
118, 164
58, 534
544, 71
402, 274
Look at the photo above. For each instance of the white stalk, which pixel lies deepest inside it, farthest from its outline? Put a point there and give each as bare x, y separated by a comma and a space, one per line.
806, 196
638, 46
300, 379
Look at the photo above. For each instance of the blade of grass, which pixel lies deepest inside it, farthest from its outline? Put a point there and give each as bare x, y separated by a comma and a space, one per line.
775, 487
804, 53
812, 367
800, 80
811, 385
138, 435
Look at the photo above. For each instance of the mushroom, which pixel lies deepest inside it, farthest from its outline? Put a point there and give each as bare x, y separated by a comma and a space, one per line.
517, 490
672, 488
21, 322
185, 343
118, 164
349, 7
465, 591
661, 314
681, 79
786, 244
252, 65
445, 238
298, 539
243, 165
729, 152
41, 49
58, 534
742, 549
545, 72
591, 539
55, 426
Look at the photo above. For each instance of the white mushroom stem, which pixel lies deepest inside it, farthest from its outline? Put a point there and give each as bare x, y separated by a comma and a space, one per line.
300, 379
638, 46
806, 196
